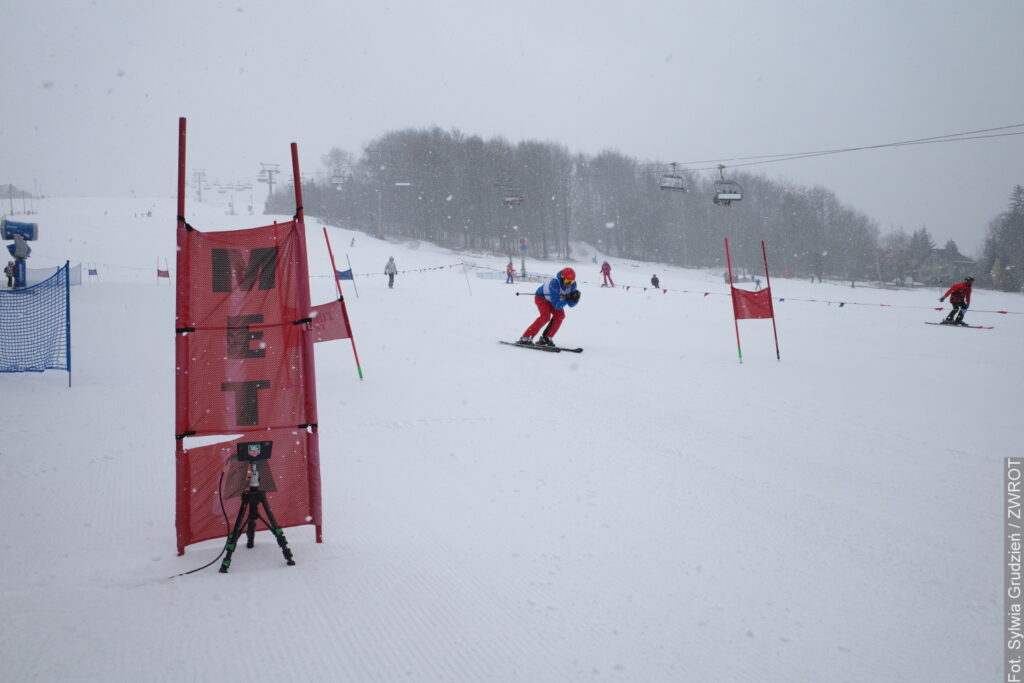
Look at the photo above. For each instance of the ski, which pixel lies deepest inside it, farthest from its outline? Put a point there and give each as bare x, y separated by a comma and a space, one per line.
976, 327
549, 349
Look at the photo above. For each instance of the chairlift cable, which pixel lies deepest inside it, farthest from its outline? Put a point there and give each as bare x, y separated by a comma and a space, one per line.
808, 155
950, 137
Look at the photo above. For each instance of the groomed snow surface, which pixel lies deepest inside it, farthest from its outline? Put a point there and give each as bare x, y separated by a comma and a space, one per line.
650, 510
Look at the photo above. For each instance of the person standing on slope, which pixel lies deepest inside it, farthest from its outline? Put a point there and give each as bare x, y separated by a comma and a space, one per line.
551, 300
606, 273
960, 298
390, 269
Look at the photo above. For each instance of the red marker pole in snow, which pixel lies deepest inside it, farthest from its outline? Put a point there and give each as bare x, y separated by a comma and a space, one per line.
735, 315
341, 298
748, 304
183, 313
771, 307
306, 351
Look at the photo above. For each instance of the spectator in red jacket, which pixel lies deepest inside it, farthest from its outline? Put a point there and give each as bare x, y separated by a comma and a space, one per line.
960, 298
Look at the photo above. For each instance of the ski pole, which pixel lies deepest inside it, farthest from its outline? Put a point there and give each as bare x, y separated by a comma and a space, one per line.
534, 294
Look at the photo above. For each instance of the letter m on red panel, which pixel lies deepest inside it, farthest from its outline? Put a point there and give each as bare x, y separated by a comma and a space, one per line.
230, 268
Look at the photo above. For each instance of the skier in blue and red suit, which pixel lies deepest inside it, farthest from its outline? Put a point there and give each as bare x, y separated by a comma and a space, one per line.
960, 298
551, 300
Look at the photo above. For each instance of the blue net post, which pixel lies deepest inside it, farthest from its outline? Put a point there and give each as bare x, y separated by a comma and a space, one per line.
67, 316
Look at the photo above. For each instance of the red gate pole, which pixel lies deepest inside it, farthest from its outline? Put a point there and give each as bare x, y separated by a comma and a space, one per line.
313, 438
181, 355
771, 307
344, 308
735, 317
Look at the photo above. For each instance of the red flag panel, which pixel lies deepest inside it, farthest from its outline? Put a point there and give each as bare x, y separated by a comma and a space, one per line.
245, 362
216, 479
747, 304
242, 372
329, 322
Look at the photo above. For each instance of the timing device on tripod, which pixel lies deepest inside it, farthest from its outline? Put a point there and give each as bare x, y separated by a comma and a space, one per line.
255, 457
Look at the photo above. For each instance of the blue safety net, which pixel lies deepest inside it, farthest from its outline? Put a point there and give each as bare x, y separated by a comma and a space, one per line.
35, 326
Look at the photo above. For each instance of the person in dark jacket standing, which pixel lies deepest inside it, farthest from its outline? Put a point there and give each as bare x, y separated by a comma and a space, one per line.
960, 298
9, 272
551, 300
655, 282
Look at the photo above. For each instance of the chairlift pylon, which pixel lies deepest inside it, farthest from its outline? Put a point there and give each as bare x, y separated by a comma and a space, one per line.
726, 191
672, 180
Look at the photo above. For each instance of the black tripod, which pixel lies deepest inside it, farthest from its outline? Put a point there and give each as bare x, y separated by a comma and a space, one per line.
248, 515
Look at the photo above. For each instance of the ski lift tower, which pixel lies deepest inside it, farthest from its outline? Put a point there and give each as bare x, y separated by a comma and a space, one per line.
199, 176
266, 175
511, 198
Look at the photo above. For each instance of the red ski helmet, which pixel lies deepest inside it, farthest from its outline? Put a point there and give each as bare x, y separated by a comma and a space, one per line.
568, 276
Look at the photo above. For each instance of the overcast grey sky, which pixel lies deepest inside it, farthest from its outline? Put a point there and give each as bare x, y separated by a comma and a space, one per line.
92, 91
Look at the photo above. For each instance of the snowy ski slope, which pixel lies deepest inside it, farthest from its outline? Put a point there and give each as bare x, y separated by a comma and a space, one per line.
649, 510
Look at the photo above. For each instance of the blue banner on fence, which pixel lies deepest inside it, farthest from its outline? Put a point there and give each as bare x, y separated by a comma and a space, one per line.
344, 274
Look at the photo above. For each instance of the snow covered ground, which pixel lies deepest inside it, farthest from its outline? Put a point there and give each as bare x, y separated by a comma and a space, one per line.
650, 510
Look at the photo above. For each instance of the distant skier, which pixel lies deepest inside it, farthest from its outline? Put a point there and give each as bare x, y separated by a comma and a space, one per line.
551, 300
960, 298
510, 274
655, 282
9, 272
390, 269
606, 273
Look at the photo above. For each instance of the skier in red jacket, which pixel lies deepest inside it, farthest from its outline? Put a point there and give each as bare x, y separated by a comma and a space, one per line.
960, 298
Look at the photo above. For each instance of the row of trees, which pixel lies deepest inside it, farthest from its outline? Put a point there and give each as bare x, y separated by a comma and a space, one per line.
1002, 255
464, 192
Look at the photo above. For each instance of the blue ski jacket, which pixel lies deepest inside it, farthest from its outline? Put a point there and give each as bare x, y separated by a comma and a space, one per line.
555, 293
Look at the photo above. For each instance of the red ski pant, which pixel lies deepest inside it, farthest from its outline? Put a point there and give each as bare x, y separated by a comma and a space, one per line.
547, 312
608, 281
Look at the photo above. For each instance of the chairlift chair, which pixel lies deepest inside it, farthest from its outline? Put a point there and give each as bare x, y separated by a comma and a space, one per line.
726, 191
672, 181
